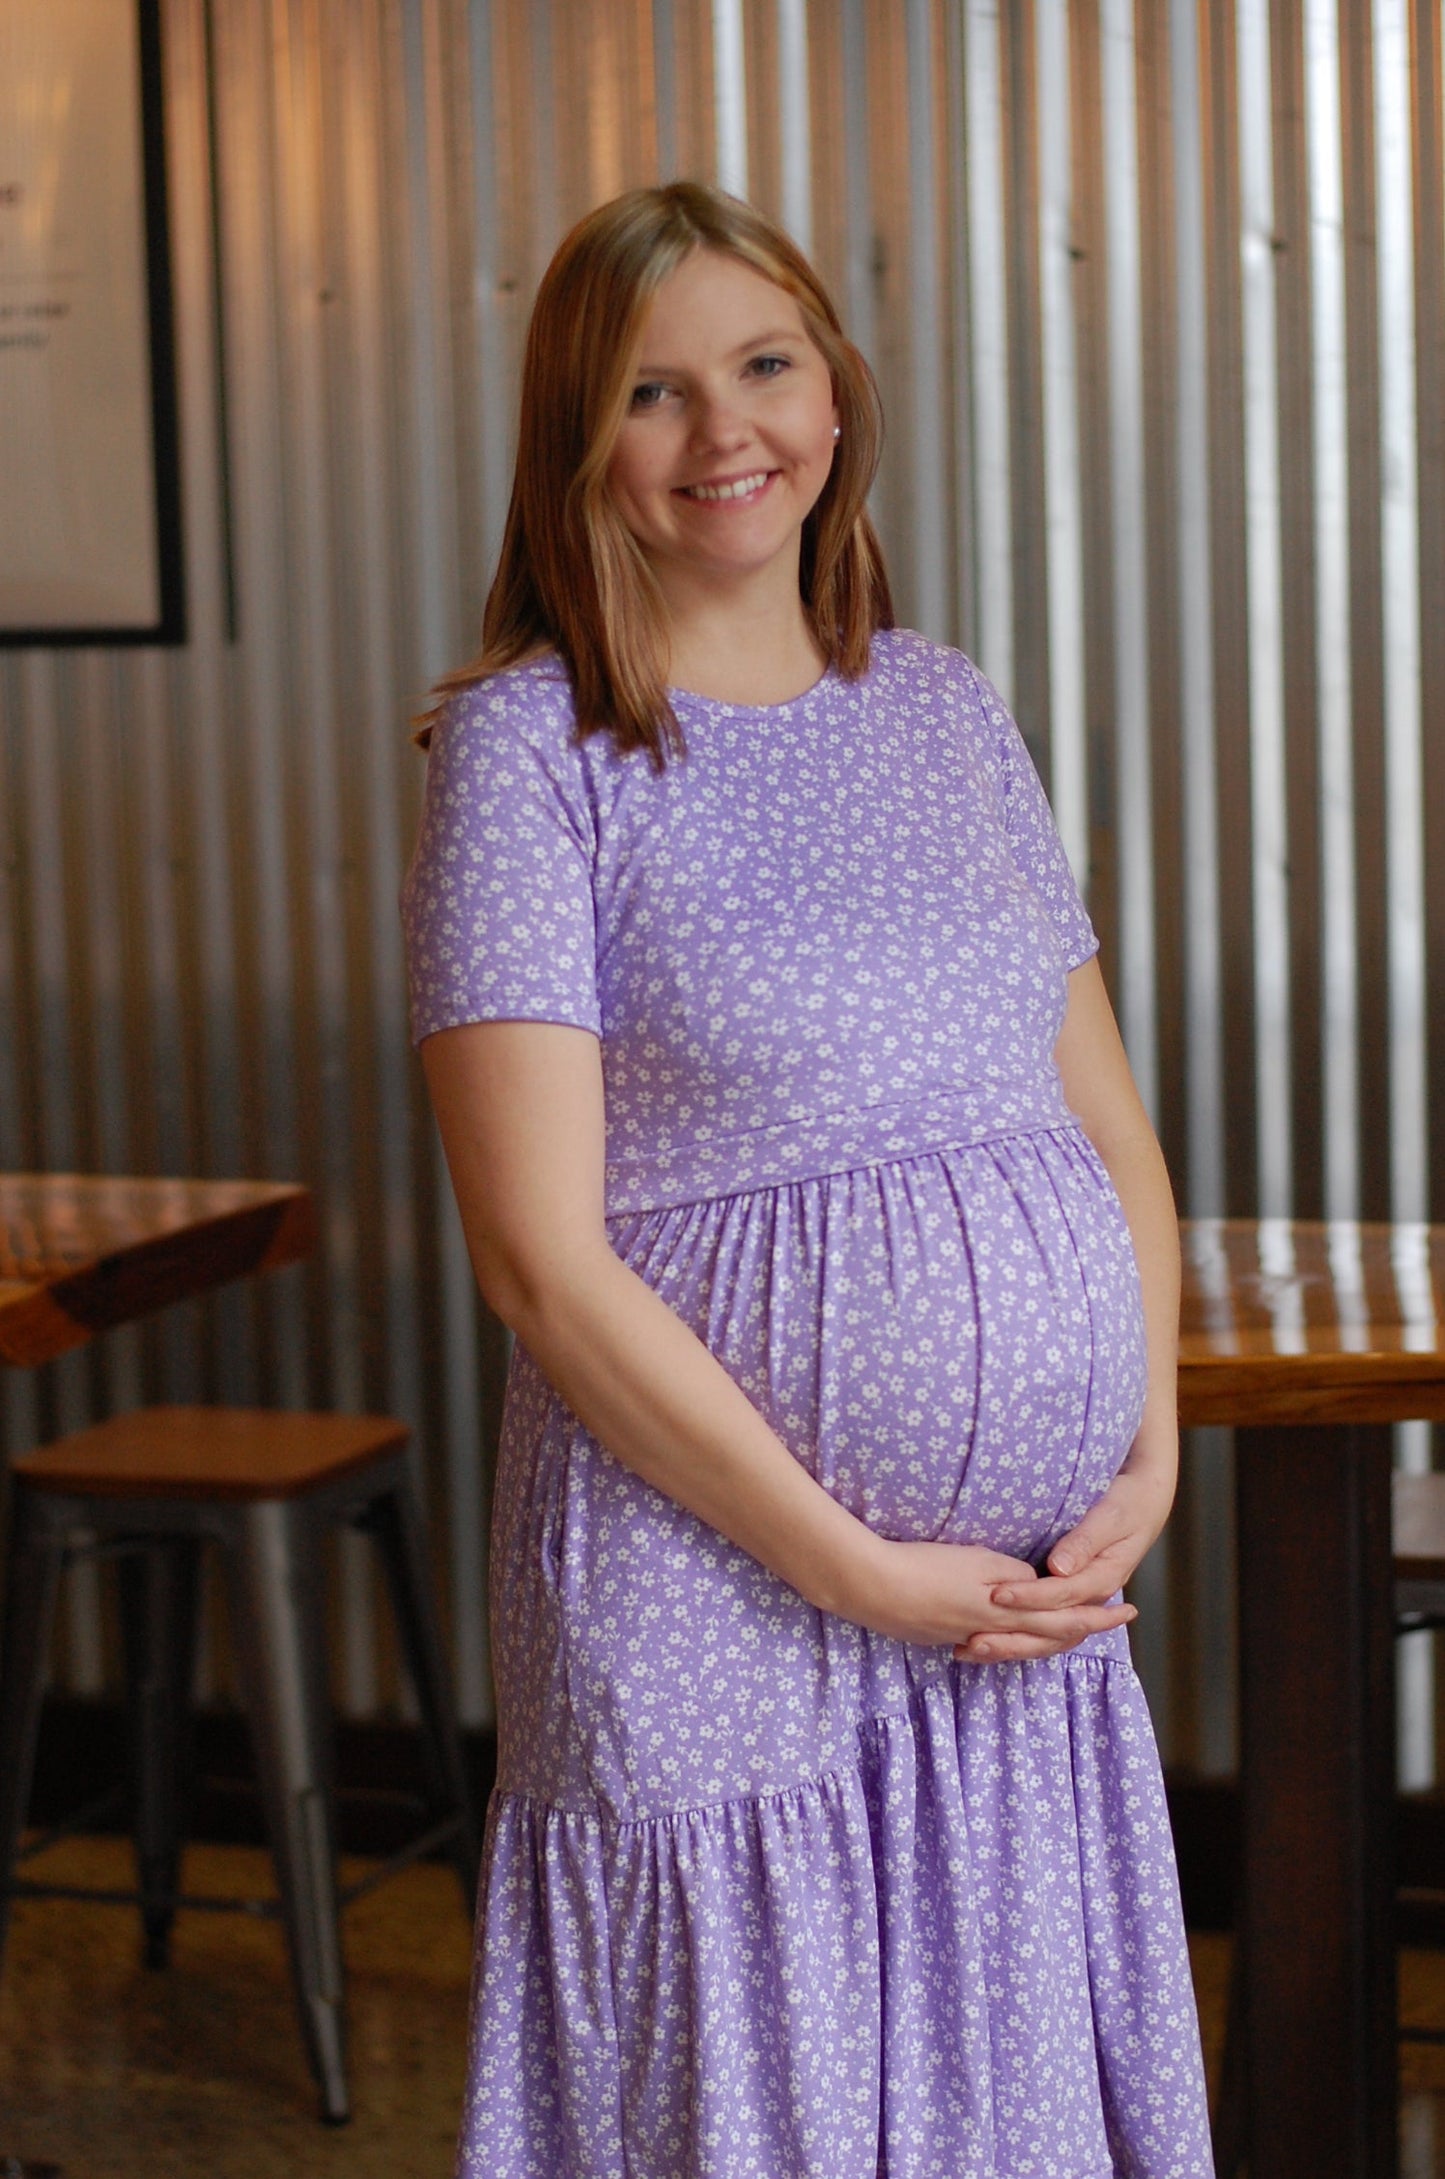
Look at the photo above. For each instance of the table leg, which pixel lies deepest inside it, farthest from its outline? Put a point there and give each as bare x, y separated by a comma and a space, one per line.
1317, 1781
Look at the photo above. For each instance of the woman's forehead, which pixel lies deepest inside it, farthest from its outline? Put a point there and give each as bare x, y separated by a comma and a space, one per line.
711, 296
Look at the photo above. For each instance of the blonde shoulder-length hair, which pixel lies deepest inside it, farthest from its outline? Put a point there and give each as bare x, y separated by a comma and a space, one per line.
571, 578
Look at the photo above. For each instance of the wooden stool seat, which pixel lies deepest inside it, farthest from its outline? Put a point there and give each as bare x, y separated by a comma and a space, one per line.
231, 1453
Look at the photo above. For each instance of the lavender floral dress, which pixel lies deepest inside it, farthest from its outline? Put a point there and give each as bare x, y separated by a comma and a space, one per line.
766, 1895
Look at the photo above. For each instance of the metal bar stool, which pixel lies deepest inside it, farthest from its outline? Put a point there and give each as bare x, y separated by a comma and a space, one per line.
152, 1488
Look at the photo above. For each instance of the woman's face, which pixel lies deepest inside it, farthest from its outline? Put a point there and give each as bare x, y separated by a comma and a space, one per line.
729, 437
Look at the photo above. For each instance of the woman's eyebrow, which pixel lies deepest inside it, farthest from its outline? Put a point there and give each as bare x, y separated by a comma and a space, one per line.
759, 340
754, 340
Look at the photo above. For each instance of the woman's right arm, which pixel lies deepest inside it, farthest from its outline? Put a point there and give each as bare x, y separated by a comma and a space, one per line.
520, 1109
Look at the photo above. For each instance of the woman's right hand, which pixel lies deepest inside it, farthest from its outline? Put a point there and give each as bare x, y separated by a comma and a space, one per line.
943, 1593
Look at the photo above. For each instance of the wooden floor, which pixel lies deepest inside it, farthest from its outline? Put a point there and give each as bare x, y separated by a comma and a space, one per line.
113, 2073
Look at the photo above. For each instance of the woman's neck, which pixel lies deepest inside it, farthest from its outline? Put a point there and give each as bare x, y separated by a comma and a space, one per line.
743, 655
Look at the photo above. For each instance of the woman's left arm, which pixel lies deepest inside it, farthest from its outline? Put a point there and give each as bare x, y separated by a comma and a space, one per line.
1095, 1559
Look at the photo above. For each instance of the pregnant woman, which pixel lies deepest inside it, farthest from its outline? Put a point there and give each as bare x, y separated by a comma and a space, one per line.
793, 1138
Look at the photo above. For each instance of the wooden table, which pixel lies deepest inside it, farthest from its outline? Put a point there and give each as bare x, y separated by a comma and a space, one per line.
79, 1254
1311, 1340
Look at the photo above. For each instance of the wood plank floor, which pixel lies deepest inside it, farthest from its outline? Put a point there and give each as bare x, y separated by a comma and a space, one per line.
114, 2073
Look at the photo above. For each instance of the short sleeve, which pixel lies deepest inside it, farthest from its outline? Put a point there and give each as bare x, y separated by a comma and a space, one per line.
497, 907
1033, 837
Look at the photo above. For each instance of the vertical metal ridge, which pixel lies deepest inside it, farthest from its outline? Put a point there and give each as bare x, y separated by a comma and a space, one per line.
1339, 1013
962, 578
1090, 260
426, 399
590, 90
827, 184
763, 105
1063, 515
1203, 965
992, 501
795, 122
730, 96
1400, 585
380, 1071
1159, 375
888, 211
1429, 148
324, 325
1129, 556
1367, 701
381, 91
193, 924
1268, 791
1031, 674
1230, 598
548, 182
857, 181
928, 415
252, 678
664, 71
1295, 468
323, 785
493, 398
640, 130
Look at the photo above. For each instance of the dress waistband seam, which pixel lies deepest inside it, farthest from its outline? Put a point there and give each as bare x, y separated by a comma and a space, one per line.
1067, 1124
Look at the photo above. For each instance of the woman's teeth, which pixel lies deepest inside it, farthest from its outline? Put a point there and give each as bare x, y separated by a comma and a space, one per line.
738, 490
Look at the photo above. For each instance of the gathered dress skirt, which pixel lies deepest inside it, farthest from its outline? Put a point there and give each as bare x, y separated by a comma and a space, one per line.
770, 1896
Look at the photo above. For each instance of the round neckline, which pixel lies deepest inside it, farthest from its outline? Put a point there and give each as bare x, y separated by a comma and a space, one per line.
789, 703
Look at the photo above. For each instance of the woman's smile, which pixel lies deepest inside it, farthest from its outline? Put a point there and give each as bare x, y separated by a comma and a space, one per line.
730, 492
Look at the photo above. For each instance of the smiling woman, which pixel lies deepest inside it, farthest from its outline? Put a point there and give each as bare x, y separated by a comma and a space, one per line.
793, 1138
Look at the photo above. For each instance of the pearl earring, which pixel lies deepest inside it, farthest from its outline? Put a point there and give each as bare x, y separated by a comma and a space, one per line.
837, 433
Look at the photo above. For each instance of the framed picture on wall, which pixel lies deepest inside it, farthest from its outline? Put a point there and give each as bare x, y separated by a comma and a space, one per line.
90, 514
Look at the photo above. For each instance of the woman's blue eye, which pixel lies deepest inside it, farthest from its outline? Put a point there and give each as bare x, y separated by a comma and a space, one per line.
647, 396
769, 366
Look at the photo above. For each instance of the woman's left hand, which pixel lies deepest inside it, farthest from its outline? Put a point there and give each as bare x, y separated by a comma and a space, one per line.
1089, 1565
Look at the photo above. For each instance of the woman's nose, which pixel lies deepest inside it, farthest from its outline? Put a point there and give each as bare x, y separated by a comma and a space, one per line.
718, 423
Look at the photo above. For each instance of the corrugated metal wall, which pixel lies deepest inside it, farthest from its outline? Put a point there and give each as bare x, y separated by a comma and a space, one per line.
1156, 293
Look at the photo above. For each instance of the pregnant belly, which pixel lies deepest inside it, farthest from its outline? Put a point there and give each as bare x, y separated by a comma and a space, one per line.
952, 1344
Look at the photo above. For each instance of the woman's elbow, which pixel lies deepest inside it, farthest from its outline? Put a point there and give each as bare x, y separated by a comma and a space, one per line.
530, 1282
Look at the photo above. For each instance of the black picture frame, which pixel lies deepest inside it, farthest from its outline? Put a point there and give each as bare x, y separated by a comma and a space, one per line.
169, 625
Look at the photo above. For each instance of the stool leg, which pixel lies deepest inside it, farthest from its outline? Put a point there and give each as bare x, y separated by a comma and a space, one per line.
32, 1578
159, 1590
395, 1520
280, 1636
